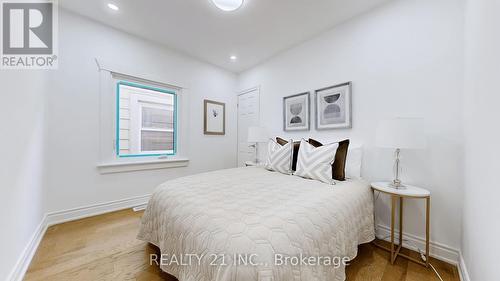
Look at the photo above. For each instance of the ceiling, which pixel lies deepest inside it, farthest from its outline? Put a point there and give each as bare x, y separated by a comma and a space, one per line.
253, 33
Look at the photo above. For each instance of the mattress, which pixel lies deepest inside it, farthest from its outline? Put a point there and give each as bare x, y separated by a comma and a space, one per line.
253, 224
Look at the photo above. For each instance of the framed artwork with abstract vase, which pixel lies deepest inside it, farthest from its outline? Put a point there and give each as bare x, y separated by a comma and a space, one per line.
333, 107
296, 114
214, 118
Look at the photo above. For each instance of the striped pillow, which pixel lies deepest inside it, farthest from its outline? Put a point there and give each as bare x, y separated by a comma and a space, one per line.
316, 163
279, 158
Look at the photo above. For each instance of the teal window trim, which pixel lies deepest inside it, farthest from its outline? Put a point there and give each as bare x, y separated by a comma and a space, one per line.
136, 85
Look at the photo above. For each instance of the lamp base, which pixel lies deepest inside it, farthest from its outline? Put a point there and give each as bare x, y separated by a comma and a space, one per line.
396, 184
256, 149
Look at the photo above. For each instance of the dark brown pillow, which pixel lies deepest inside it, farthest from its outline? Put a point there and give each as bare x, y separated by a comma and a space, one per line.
338, 166
296, 146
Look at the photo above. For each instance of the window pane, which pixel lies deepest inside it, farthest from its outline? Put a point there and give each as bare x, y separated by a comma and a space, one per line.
157, 118
146, 120
156, 141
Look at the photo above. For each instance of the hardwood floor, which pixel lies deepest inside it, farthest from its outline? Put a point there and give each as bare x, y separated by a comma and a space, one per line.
104, 248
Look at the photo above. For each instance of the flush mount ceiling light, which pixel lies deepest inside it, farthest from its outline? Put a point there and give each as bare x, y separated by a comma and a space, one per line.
233, 58
113, 7
228, 5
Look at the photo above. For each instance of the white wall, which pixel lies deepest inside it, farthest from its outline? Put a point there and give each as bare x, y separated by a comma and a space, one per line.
22, 124
481, 227
73, 114
404, 59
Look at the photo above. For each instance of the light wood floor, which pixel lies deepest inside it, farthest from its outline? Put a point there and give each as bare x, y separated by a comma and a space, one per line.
104, 248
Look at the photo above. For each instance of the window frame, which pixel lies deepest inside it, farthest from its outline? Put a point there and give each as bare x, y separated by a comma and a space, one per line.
175, 113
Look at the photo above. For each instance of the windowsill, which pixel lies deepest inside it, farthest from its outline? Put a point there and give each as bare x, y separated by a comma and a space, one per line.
141, 165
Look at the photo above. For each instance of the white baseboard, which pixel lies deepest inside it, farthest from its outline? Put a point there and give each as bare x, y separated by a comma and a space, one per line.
437, 250
17, 274
139, 208
96, 209
462, 269
49, 219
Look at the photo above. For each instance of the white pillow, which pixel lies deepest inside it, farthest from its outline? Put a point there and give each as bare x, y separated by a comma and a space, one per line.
353, 162
316, 162
279, 157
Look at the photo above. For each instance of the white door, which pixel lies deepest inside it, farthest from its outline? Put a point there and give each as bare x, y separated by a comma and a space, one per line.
248, 115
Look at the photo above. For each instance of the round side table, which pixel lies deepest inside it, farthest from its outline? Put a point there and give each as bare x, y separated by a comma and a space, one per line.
399, 194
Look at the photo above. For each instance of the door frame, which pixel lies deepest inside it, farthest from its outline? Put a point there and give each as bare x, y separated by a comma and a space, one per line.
240, 93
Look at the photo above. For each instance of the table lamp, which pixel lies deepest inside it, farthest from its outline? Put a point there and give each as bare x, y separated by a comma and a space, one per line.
256, 135
400, 134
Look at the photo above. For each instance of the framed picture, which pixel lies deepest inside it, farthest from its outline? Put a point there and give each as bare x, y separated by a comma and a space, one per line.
296, 112
333, 107
215, 118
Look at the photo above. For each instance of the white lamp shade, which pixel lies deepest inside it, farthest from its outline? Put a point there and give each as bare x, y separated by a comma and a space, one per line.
257, 134
403, 133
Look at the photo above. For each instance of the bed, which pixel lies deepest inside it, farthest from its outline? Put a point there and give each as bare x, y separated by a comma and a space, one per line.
253, 224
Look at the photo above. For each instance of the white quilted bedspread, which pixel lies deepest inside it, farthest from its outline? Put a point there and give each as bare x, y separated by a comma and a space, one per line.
254, 213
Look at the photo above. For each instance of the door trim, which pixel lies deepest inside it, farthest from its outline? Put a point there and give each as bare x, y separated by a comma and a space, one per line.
240, 93
256, 88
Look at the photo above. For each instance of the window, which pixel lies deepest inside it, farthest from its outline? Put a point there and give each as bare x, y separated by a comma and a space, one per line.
146, 120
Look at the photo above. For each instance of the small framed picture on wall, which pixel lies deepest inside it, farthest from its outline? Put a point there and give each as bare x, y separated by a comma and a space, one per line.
296, 112
214, 118
333, 107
